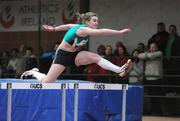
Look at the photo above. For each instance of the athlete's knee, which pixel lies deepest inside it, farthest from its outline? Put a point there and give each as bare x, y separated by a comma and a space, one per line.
93, 58
96, 58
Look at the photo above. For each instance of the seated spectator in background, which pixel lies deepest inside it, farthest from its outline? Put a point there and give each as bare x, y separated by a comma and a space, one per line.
136, 74
50, 54
4, 62
153, 75
121, 59
119, 43
141, 47
28, 61
12, 64
160, 37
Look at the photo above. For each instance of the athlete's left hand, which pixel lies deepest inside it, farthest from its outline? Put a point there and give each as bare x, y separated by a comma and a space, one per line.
48, 28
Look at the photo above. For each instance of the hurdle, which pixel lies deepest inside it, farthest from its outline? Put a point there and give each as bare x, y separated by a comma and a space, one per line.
38, 86
63, 87
98, 86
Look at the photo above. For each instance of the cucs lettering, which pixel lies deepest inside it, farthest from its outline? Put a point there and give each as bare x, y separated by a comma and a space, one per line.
36, 86
99, 86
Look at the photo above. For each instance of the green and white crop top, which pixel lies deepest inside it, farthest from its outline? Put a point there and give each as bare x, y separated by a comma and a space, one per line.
73, 39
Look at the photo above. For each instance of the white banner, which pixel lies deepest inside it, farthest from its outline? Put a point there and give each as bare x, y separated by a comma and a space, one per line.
23, 15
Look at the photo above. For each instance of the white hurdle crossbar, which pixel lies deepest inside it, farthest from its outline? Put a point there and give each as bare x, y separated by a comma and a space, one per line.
10, 86
98, 86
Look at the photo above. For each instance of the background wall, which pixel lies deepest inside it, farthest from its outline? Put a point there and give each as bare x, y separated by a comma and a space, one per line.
139, 15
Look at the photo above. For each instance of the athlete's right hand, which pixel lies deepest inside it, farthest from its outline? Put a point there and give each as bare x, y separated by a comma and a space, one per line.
48, 28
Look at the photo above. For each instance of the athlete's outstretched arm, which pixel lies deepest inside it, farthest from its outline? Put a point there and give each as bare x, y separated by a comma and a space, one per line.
58, 28
101, 32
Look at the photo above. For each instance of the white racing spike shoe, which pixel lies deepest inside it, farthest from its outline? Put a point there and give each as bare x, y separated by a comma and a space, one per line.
125, 67
29, 74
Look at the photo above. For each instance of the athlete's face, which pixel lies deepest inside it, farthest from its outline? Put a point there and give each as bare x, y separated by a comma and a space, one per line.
93, 22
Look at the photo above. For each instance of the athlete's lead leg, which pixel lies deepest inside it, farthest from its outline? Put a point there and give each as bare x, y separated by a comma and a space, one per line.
85, 58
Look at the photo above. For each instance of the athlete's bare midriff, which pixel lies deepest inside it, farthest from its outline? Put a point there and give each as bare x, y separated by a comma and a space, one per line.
67, 47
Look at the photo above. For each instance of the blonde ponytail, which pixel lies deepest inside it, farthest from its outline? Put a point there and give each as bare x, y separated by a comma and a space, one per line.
81, 18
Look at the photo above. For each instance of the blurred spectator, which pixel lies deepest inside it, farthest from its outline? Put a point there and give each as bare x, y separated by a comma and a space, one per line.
92, 69
141, 47
21, 66
27, 62
29, 53
101, 50
119, 43
136, 74
0, 71
121, 59
153, 74
153, 68
160, 37
47, 58
171, 63
4, 63
12, 64
173, 43
171, 60
22, 50
31, 60
108, 54
50, 54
